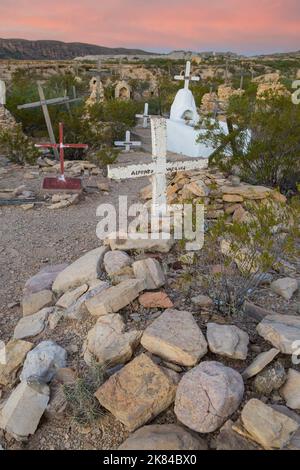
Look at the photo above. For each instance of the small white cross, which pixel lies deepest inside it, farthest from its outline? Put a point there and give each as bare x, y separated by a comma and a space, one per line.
127, 143
187, 77
144, 116
158, 168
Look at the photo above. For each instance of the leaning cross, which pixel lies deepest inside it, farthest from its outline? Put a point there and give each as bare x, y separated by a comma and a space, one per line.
187, 77
127, 143
144, 116
158, 168
44, 105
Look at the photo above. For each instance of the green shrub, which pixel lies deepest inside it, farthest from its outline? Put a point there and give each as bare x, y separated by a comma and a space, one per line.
17, 146
273, 155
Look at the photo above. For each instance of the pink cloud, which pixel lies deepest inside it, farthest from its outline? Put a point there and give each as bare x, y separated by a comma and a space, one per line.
257, 26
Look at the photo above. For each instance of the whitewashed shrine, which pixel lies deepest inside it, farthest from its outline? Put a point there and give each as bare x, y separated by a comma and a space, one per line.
182, 134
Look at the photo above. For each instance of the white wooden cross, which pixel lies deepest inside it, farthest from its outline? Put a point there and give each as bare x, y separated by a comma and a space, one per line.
187, 77
144, 116
127, 143
158, 168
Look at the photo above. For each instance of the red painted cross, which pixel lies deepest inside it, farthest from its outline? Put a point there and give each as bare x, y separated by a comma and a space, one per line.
61, 146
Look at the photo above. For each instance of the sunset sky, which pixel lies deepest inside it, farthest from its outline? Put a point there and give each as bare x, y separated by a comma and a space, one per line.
257, 26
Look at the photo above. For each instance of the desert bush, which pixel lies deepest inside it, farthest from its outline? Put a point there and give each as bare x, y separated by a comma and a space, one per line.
17, 146
272, 155
83, 405
246, 252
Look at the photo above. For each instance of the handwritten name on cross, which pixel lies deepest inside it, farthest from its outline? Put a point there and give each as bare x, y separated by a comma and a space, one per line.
158, 168
187, 77
127, 143
144, 116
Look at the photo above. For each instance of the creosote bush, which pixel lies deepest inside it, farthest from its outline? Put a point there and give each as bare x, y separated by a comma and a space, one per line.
246, 252
17, 146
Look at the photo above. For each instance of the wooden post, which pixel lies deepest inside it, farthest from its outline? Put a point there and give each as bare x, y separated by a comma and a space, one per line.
47, 119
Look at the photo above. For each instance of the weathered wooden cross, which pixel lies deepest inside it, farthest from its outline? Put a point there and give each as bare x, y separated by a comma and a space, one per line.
187, 77
127, 143
44, 105
158, 168
144, 116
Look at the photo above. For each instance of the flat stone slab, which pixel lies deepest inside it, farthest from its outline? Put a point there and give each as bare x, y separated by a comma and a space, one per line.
137, 393
282, 331
70, 297
149, 270
163, 437
33, 303
15, 353
155, 300
32, 325
44, 279
161, 246
23, 410
207, 396
259, 363
176, 337
291, 390
269, 428
108, 343
247, 191
228, 341
82, 271
115, 298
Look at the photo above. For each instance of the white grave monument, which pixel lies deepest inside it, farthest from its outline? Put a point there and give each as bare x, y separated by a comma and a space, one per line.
159, 167
2, 93
144, 116
182, 135
127, 144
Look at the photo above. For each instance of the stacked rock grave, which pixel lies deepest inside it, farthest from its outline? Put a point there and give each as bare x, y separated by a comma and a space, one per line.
221, 386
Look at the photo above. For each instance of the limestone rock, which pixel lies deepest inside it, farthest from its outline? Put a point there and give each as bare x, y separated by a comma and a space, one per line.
123, 275
162, 246
259, 363
114, 261
202, 301
198, 188
271, 429
32, 303
227, 340
115, 298
43, 361
149, 270
291, 390
15, 353
163, 437
270, 379
282, 331
208, 395
70, 297
176, 337
82, 271
32, 325
228, 439
247, 191
44, 279
137, 393
155, 300
285, 287
232, 198
108, 343
76, 310
23, 410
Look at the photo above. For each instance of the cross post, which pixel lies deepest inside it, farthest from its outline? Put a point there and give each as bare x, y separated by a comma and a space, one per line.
144, 116
127, 144
187, 77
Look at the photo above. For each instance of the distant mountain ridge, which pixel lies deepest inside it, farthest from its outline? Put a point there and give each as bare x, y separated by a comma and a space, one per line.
23, 49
